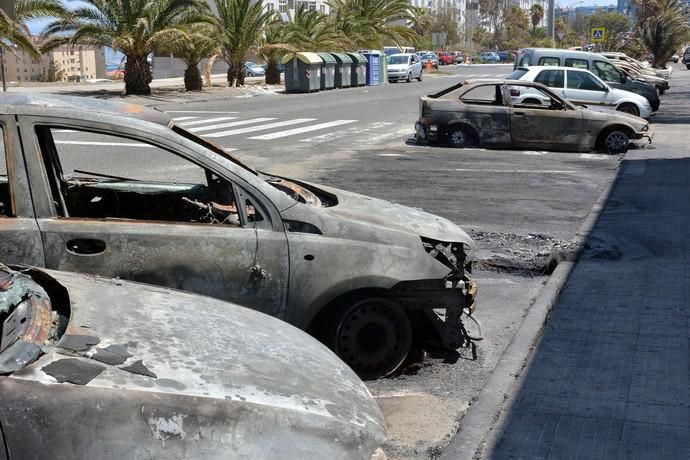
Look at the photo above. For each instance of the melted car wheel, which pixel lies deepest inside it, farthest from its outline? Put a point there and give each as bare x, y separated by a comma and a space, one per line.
616, 142
459, 137
373, 337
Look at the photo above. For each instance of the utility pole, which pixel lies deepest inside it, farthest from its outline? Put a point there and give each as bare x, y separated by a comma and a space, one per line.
8, 7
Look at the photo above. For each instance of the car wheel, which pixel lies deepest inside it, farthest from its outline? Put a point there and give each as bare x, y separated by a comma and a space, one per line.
616, 142
419, 78
629, 108
409, 77
250, 74
459, 137
687, 66
373, 337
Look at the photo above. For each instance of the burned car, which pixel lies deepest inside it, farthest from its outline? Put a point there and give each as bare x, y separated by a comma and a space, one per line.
126, 193
488, 113
99, 368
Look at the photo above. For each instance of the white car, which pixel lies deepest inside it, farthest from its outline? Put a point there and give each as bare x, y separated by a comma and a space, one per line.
581, 86
404, 66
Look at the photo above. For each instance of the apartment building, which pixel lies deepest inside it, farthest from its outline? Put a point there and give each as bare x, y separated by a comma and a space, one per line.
78, 63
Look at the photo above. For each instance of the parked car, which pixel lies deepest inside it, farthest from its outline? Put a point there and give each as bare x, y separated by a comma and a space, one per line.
580, 86
444, 58
252, 69
458, 57
505, 56
675, 58
481, 113
489, 57
618, 56
686, 58
366, 276
430, 57
98, 368
630, 71
596, 63
404, 67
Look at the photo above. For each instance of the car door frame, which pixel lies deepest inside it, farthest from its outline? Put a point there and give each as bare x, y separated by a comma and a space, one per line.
48, 219
571, 94
20, 237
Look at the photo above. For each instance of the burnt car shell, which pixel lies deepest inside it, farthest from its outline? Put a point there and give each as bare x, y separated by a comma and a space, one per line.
317, 256
495, 124
149, 372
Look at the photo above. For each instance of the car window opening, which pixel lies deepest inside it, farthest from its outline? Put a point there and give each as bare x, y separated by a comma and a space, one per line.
5, 197
168, 188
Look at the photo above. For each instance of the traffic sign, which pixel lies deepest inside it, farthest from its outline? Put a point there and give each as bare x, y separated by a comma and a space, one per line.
560, 35
598, 34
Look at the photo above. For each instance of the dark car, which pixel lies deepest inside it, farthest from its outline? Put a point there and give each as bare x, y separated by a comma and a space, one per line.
686, 58
99, 368
167, 207
482, 113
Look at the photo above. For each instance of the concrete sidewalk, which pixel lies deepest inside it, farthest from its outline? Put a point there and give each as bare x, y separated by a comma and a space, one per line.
609, 378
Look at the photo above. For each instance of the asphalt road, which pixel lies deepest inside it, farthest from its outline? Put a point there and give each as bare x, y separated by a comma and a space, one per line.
518, 205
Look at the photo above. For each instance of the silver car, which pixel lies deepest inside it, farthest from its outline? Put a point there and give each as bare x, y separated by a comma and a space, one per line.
129, 194
97, 368
404, 66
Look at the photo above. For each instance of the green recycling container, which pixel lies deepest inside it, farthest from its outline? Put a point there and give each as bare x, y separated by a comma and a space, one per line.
302, 72
343, 69
327, 71
359, 69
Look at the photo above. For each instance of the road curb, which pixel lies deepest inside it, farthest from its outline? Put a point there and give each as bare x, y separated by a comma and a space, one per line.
479, 426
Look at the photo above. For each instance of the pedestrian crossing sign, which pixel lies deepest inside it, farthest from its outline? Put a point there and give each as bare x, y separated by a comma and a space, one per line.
598, 34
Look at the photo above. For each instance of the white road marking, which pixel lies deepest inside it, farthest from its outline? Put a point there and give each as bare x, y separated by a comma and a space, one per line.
520, 171
184, 118
229, 125
305, 129
391, 155
533, 152
195, 111
229, 149
595, 156
116, 144
250, 129
346, 132
207, 120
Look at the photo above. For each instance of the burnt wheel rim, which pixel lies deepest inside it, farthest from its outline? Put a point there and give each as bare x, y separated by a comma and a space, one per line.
616, 142
373, 338
458, 138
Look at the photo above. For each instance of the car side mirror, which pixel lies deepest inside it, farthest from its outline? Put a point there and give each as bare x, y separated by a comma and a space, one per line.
606, 89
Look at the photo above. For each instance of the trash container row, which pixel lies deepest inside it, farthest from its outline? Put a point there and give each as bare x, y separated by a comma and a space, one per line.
307, 72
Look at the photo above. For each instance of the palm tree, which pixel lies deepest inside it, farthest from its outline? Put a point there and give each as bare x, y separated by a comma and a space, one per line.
536, 13
373, 23
199, 42
272, 46
136, 28
310, 30
664, 30
240, 24
420, 21
13, 32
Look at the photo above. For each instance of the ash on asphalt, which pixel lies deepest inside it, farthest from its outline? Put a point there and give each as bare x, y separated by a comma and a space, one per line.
533, 254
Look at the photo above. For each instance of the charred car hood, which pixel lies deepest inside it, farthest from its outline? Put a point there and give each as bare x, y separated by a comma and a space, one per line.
191, 347
392, 216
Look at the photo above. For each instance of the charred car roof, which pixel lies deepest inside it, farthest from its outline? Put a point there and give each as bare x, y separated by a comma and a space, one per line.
30, 104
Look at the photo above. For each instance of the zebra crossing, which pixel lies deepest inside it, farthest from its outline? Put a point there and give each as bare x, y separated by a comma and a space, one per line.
231, 125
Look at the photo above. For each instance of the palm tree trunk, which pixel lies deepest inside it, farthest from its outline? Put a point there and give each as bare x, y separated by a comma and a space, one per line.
235, 73
272, 73
137, 75
192, 78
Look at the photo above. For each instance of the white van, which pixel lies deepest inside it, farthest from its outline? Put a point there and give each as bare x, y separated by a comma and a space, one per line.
404, 66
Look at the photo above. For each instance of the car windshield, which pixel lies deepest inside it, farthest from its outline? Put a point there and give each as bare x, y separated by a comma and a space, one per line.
517, 74
250, 64
398, 59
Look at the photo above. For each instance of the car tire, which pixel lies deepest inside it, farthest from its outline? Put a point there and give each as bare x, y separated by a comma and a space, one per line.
460, 137
629, 108
419, 78
250, 74
409, 77
373, 337
687, 66
616, 142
